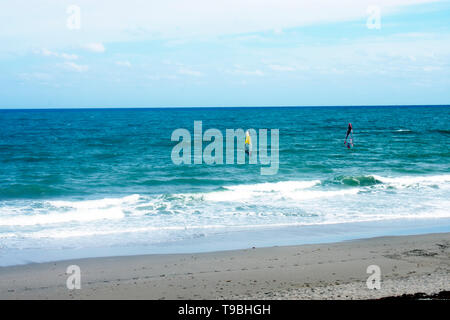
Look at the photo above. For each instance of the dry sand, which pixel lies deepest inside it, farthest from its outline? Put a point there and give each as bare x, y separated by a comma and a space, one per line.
409, 264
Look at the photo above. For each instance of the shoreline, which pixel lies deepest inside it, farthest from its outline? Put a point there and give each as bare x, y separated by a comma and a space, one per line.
409, 265
237, 240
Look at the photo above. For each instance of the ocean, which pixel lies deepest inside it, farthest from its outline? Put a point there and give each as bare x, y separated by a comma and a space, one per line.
98, 182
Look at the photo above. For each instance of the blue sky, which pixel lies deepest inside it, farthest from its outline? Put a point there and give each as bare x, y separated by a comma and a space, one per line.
140, 53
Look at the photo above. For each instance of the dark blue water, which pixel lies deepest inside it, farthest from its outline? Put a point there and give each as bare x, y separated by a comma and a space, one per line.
104, 177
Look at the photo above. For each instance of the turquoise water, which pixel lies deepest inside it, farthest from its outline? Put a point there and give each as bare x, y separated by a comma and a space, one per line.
103, 179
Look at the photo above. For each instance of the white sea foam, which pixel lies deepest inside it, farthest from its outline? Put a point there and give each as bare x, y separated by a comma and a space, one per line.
262, 205
56, 212
250, 191
63, 217
308, 195
409, 181
275, 186
161, 230
95, 204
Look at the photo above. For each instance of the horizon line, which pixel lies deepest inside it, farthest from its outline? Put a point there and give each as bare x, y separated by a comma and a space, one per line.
225, 107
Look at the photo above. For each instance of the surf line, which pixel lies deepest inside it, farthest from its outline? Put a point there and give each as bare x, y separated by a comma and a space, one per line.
213, 152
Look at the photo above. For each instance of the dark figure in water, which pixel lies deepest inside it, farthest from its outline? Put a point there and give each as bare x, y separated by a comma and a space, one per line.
349, 131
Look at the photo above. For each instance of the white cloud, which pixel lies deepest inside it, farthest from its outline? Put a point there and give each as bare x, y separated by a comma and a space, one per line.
246, 72
125, 63
66, 56
162, 77
431, 68
277, 67
388, 56
139, 19
75, 67
258, 73
190, 72
95, 47
40, 76
278, 30
47, 53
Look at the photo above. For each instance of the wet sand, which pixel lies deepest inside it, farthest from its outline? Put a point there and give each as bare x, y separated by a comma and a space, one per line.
408, 264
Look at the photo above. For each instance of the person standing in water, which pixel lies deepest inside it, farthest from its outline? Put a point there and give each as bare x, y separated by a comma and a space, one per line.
248, 143
349, 132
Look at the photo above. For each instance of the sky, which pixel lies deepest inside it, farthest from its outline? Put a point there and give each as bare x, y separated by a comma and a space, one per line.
197, 53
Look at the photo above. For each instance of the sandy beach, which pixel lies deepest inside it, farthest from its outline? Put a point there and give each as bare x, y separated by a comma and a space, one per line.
409, 264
